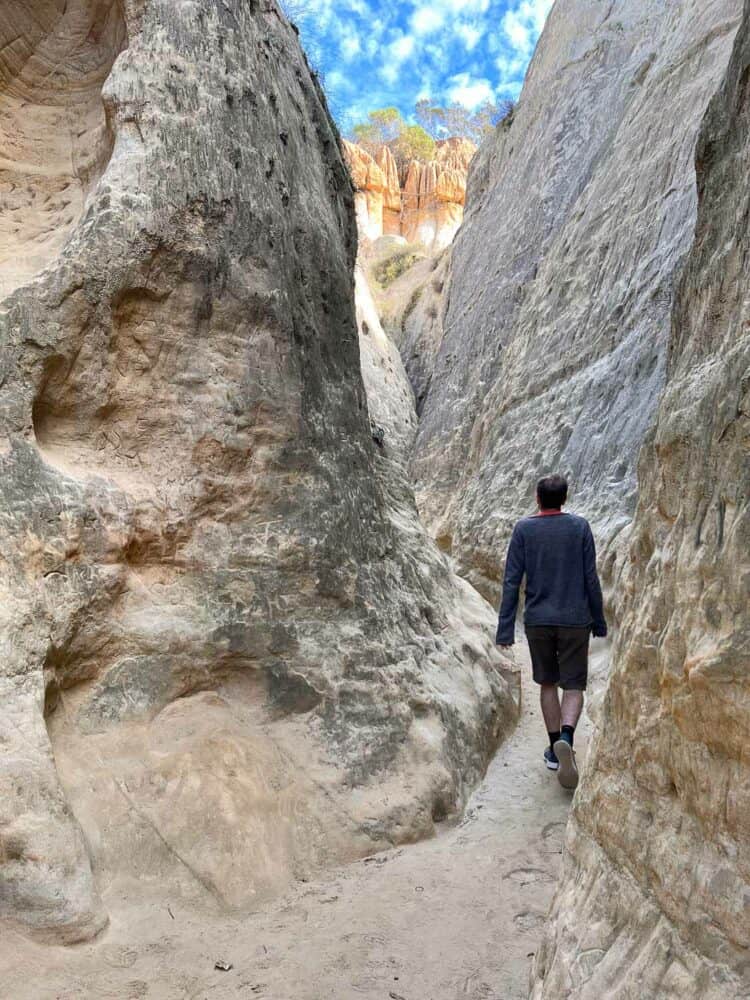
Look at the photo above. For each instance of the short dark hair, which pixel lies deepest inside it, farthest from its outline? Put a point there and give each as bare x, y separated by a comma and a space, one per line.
552, 492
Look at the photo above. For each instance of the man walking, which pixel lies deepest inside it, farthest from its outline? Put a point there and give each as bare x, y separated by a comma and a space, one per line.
563, 606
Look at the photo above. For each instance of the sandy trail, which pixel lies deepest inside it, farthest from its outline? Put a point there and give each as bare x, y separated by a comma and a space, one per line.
452, 918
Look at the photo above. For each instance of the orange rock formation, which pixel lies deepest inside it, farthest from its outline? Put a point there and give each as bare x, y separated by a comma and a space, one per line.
424, 203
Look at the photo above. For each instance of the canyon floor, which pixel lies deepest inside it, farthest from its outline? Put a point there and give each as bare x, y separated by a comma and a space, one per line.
456, 917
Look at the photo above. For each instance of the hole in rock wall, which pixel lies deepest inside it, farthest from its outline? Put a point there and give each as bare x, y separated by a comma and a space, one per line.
55, 141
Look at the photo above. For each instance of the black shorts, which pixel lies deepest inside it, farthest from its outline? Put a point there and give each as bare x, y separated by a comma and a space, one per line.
560, 655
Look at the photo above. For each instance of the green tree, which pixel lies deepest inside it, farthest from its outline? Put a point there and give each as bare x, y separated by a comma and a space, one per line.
428, 116
388, 122
386, 127
414, 143
457, 120
382, 127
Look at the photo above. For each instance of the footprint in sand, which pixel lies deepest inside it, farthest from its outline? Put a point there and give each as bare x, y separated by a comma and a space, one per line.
527, 876
528, 921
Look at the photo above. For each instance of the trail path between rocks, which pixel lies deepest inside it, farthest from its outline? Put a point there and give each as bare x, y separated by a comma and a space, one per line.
452, 918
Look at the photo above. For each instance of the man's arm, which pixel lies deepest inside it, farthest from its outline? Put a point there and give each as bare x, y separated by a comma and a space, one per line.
515, 566
593, 587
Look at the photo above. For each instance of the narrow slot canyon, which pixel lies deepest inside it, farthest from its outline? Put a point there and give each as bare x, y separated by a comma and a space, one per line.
272, 403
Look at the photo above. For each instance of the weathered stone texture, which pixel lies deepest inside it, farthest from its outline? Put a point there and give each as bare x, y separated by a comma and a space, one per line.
54, 58
579, 216
434, 194
390, 399
424, 205
369, 187
655, 894
230, 653
412, 311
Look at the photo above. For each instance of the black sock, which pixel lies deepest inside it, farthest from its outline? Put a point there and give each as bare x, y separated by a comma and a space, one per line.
568, 731
553, 738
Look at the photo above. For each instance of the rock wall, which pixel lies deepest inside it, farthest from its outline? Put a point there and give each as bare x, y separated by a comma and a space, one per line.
390, 399
655, 893
411, 312
230, 654
434, 193
579, 216
371, 191
52, 68
424, 203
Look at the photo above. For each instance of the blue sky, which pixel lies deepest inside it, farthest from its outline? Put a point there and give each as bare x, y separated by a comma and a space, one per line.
374, 53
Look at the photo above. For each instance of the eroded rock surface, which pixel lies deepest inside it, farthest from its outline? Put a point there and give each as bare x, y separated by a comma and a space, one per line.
54, 137
579, 215
230, 654
655, 895
423, 203
412, 309
369, 187
390, 399
434, 194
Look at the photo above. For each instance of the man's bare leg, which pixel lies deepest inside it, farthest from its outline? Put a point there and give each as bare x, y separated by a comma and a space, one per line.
550, 702
572, 706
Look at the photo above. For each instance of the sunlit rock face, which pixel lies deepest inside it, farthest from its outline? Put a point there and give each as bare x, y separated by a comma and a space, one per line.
230, 653
423, 202
369, 190
434, 194
655, 892
391, 193
580, 211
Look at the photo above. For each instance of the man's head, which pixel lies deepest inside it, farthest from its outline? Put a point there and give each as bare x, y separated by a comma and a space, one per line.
552, 492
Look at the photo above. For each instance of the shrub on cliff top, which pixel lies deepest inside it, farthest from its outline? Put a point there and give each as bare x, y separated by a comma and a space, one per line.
389, 270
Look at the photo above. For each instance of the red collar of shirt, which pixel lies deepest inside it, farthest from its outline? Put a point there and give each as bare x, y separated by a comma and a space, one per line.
547, 513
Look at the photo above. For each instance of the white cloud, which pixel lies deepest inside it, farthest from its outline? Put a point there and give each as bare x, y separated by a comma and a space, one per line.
523, 23
462, 51
463, 6
350, 46
469, 35
401, 48
518, 33
389, 72
510, 67
335, 79
427, 19
469, 91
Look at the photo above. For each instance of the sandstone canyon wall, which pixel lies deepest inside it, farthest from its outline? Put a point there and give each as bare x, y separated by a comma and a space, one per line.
579, 215
230, 653
655, 893
424, 202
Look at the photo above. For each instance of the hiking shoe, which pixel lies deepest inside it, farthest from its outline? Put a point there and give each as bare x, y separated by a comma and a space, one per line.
567, 773
550, 760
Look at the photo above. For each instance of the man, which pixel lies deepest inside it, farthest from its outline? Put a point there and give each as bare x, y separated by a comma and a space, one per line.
563, 606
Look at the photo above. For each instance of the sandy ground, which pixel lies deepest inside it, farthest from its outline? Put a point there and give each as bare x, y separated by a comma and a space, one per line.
452, 918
